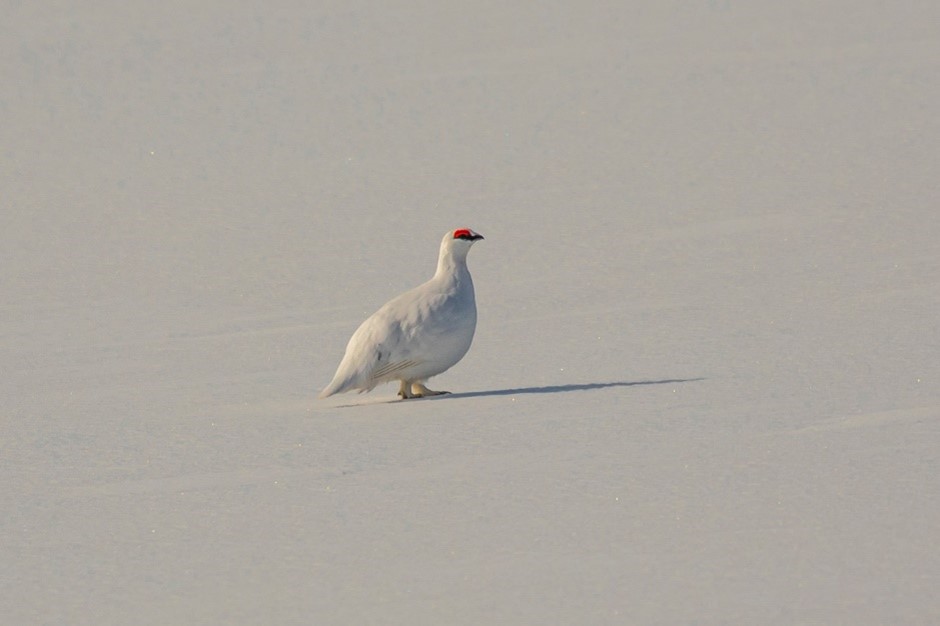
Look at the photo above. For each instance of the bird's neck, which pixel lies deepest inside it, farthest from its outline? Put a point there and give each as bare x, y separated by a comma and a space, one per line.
450, 266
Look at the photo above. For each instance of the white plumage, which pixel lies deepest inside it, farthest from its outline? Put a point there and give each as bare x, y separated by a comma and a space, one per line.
417, 335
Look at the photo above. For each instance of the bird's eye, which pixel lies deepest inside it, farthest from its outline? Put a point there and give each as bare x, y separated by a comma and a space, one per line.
462, 233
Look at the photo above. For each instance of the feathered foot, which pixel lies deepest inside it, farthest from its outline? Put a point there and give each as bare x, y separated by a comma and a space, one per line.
417, 390
405, 390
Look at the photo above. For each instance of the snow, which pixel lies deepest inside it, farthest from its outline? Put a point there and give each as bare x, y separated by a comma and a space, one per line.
704, 385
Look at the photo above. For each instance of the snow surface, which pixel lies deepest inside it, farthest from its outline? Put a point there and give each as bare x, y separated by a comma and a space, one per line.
705, 386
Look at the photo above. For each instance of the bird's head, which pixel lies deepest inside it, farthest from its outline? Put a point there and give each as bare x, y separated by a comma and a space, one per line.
457, 243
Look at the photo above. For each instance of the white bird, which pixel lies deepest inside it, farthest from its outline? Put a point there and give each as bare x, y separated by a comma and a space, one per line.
419, 334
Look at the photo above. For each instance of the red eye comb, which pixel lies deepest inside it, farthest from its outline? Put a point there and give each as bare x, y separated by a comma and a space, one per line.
465, 234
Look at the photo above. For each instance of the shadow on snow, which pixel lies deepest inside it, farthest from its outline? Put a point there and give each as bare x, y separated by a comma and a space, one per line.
562, 388
522, 390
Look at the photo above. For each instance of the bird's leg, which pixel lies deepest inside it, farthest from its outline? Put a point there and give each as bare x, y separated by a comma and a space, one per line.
405, 390
418, 390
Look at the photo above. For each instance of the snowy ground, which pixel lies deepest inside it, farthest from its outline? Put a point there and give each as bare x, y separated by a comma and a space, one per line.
705, 386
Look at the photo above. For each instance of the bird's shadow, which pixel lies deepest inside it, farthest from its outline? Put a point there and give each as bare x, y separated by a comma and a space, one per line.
523, 390
561, 388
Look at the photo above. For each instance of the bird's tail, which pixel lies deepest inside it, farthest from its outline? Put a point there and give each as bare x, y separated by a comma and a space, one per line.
341, 382
329, 390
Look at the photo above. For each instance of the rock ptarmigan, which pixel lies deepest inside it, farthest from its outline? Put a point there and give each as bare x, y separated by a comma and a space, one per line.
417, 335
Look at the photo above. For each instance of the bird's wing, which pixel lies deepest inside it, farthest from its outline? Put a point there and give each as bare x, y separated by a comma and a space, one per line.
388, 369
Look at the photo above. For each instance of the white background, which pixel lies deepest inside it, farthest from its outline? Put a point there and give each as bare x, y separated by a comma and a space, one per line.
705, 386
